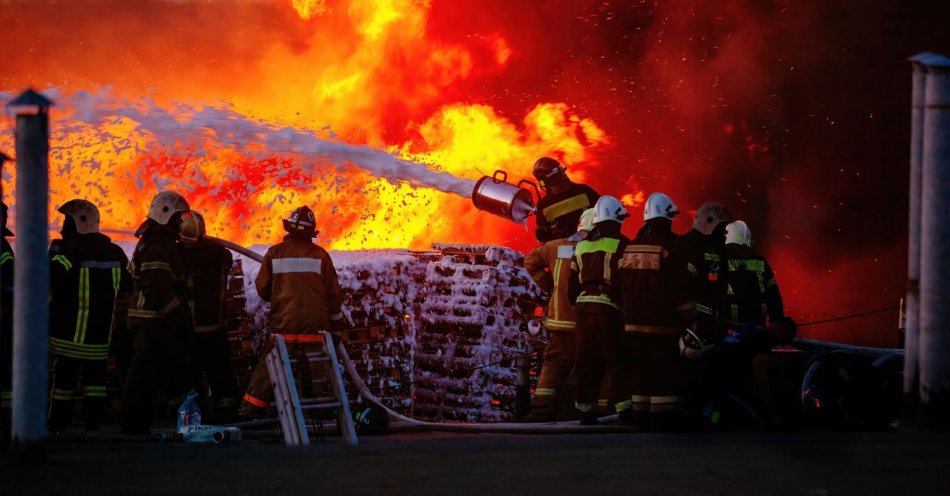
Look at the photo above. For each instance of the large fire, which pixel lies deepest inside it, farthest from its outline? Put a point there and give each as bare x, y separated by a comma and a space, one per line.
702, 100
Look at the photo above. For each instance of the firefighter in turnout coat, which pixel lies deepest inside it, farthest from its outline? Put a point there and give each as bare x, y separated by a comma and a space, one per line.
652, 277
87, 273
559, 211
297, 277
6, 327
160, 324
752, 295
550, 267
595, 290
208, 265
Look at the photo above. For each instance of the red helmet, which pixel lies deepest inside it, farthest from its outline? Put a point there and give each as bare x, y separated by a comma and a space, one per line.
301, 221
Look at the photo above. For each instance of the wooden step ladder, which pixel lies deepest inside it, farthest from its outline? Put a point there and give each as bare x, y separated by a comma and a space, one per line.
317, 348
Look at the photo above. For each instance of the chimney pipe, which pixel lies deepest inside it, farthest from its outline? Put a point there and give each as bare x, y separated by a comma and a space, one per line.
933, 332
31, 273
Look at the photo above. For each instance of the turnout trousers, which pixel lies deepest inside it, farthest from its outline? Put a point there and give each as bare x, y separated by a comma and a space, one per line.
66, 371
260, 390
160, 361
601, 354
661, 379
211, 357
559, 356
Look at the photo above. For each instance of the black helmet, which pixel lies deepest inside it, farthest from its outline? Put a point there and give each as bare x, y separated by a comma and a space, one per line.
549, 172
301, 221
371, 419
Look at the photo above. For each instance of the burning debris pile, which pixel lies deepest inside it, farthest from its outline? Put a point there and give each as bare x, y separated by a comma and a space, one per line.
434, 334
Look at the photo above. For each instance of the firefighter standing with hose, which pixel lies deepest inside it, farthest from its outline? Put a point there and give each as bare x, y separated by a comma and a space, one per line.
87, 274
550, 267
160, 323
208, 265
752, 295
559, 211
297, 277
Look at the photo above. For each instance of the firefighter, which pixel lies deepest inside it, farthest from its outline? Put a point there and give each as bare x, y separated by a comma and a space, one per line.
208, 265
160, 324
6, 327
297, 277
559, 211
704, 252
550, 267
595, 291
650, 274
752, 295
87, 273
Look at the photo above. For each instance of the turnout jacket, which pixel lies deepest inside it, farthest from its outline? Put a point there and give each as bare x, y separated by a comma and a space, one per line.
595, 276
751, 293
653, 278
559, 213
550, 267
158, 273
208, 265
707, 263
297, 277
87, 272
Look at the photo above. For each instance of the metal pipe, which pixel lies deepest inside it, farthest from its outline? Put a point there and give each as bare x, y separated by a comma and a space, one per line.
31, 274
933, 342
911, 318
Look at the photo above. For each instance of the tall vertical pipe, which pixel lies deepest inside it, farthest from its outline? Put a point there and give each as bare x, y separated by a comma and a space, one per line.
31, 275
933, 342
911, 319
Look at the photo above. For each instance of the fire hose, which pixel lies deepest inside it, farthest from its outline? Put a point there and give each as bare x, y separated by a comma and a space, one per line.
499, 428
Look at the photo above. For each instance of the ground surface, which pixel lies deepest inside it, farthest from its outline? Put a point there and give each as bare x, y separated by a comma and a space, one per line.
815, 463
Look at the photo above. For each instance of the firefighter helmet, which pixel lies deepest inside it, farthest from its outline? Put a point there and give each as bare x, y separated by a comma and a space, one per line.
3, 214
301, 221
609, 208
192, 227
738, 233
587, 220
709, 216
692, 346
165, 205
659, 206
83, 213
371, 419
549, 172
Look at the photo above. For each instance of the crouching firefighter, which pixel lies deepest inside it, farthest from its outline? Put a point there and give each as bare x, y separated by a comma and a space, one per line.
550, 267
208, 265
297, 277
595, 290
87, 273
650, 274
160, 324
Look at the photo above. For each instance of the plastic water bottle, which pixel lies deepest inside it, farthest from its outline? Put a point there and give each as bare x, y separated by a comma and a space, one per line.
189, 414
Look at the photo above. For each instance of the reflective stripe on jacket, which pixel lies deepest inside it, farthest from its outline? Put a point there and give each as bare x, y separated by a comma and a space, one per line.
297, 277
550, 267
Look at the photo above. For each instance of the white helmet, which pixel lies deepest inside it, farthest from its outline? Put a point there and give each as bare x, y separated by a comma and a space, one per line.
738, 233
84, 214
692, 346
659, 206
587, 220
709, 216
609, 208
165, 205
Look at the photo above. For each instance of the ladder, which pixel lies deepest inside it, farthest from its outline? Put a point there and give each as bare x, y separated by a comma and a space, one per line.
317, 349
